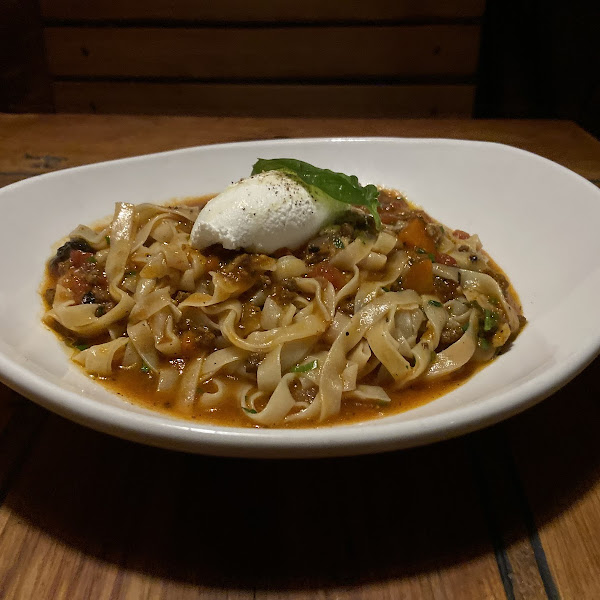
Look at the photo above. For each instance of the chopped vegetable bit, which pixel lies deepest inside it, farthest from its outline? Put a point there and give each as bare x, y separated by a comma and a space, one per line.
81, 347
338, 243
414, 235
484, 344
325, 184
309, 366
419, 277
250, 411
435, 303
465, 327
145, 368
92, 259
385, 289
107, 238
490, 320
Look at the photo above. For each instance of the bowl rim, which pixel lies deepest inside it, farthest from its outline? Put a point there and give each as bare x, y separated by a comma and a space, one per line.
377, 435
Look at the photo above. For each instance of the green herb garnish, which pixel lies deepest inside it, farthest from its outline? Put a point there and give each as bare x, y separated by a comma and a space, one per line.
435, 303
309, 366
92, 259
100, 310
107, 238
490, 320
324, 184
131, 274
485, 345
465, 327
145, 368
430, 256
385, 289
81, 347
338, 243
250, 411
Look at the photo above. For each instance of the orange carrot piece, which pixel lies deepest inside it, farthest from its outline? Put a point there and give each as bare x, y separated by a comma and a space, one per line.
415, 235
419, 277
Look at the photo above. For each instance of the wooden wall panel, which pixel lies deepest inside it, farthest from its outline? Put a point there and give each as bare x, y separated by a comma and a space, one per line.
255, 53
265, 100
263, 11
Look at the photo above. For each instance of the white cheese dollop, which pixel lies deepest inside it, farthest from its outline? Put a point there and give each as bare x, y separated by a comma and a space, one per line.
262, 213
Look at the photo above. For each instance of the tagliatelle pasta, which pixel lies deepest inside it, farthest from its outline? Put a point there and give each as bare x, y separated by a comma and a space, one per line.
352, 318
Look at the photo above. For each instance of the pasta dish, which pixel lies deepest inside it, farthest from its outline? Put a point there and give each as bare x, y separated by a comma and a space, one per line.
295, 292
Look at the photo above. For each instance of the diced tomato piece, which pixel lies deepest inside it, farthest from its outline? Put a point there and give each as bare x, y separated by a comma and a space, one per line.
79, 258
330, 273
188, 344
444, 259
76, 285
419, 277
460, 234
212, 263
415, 235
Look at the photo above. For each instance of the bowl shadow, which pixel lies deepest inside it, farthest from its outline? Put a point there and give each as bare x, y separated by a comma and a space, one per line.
294, 524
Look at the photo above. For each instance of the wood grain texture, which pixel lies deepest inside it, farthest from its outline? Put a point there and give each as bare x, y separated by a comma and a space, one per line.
35, 144
561, 475
229, 11
168, 525
264, 100
509, 512
264, 53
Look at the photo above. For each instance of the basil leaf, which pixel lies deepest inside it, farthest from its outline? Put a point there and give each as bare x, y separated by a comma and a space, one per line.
490, 320
309, 366
325, 184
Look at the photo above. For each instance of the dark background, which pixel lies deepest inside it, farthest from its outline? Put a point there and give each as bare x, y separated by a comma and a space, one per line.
537, 59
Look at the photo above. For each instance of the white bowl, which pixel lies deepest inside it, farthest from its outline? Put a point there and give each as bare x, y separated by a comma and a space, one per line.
537, 219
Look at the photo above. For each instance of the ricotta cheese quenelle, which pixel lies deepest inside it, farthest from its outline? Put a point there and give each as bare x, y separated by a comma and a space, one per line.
262, 213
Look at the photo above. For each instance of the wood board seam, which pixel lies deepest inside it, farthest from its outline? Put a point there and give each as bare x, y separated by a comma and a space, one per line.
499, 547
127, 23
539, 553
363, 80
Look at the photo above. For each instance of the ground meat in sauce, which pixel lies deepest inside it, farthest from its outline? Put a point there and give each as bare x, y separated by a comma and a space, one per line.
450, 334
88, 282
445, 289
195, 337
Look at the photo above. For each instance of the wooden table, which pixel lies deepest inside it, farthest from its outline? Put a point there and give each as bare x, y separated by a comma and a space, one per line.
509, 512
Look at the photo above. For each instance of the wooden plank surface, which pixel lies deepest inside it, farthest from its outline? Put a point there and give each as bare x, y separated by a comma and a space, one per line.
255, 53
509, 512
405, 524
265, 11
33, 144
560, 472
265, 100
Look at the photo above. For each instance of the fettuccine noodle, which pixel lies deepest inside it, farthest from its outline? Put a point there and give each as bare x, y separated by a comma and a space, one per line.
351, 317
